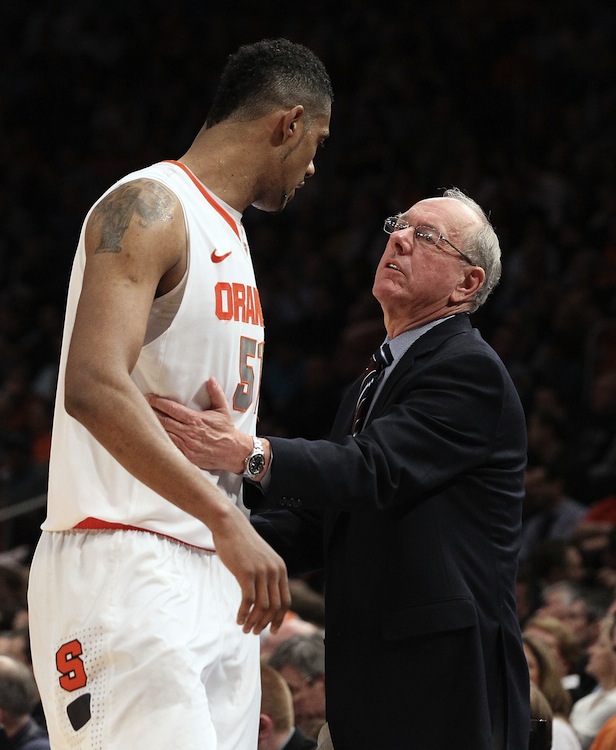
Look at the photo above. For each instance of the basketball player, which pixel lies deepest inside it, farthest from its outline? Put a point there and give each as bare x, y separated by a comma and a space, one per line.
149, 586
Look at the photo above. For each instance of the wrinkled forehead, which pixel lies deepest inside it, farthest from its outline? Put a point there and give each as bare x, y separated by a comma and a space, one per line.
441, 213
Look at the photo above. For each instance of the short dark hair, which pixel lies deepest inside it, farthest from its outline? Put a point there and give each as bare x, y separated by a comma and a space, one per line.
271, 73
17, 688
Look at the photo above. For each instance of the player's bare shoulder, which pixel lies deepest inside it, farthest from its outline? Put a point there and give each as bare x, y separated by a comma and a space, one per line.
130, 211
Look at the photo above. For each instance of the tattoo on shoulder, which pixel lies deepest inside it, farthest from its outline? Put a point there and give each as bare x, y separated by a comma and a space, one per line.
147, 200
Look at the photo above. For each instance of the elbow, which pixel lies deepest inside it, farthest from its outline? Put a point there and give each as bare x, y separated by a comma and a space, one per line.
75, 404
78, 400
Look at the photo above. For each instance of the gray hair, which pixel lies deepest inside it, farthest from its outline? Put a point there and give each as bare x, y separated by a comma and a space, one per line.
305, 653
481, 245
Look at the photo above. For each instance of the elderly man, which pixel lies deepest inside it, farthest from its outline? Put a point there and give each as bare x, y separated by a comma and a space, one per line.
413, 506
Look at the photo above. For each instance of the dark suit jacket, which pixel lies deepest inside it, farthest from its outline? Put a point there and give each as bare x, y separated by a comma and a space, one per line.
417, 521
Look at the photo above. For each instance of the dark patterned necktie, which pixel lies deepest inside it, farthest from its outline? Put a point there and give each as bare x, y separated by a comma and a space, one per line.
381, 359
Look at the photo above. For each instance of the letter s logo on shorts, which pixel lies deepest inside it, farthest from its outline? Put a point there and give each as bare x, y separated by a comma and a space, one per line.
70, 666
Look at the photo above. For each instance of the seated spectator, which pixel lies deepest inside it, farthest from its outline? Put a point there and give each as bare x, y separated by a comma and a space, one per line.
590, 604
563, 645
555, 560
301, 661
606, 736
17, 697
593, 454
544, 674
291, 625
591, 712
277, 730
540, 720
13, 587
556, 600
595, 536
16, 644
548, 512
307, 600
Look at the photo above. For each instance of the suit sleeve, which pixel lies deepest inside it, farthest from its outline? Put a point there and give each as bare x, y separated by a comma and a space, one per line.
449, 419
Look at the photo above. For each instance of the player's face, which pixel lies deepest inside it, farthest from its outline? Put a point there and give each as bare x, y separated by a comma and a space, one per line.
295, 164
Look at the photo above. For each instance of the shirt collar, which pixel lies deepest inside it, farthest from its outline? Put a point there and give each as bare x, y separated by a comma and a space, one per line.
403, 341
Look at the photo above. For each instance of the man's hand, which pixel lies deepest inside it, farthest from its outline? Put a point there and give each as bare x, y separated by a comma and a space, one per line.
207, 438
260, 572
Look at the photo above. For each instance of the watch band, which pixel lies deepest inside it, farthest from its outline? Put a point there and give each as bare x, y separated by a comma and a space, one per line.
255, 462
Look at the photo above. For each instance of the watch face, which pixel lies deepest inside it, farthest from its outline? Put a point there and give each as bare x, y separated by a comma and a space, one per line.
256, 464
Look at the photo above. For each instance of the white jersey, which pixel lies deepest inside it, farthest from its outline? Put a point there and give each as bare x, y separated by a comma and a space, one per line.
216, 331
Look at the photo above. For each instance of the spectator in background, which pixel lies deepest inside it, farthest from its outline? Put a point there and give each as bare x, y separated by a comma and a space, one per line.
595, 534
553, 561
592, 456
606, 736
606, 575
13, 598
21, 478
544, 674
292, 625
589, 605
556, 600
18, 695
541, 721
563, 645
277, 730
16, 644
591, 712
548, 512
301, 661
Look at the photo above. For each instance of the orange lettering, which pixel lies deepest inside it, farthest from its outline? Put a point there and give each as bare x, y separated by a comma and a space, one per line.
259, 311
224, 301
71, 666
239, 302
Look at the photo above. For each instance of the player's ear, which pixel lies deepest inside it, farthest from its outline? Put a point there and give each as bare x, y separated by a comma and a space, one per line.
289, 124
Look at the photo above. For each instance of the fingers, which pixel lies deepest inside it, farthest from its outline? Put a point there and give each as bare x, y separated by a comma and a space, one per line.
217, 396
283, 608
172, 409
265, 603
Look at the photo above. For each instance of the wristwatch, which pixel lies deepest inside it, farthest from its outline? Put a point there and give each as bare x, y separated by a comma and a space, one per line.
255, 463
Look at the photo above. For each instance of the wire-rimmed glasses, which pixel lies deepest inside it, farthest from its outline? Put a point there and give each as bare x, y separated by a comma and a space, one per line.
427, 234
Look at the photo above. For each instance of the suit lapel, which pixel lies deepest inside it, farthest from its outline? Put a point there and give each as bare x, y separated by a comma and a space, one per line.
424, 346
429, 342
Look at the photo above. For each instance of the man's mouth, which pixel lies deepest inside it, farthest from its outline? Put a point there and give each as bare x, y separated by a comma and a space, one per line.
392, 265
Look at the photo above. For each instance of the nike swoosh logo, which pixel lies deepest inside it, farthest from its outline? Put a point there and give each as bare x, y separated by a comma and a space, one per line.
219, 258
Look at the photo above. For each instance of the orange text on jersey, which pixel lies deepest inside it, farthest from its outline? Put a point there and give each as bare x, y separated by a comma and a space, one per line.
238, 302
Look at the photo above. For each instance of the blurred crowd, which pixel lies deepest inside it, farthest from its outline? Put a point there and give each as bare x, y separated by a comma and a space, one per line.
513, 102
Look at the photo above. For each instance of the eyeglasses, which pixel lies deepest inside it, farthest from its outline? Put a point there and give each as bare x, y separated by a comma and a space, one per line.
427, 234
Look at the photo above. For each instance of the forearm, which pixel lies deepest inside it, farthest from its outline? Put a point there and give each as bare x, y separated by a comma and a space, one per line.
115, 412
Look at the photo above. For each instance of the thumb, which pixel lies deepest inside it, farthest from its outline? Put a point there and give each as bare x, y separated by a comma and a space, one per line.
217, 396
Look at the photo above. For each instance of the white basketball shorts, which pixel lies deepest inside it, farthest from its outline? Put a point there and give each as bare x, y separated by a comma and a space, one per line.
135, 645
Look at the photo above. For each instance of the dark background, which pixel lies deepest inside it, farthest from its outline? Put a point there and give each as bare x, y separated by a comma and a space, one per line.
512, 101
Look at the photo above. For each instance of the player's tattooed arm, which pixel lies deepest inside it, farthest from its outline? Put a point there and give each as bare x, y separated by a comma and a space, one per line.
145, 201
